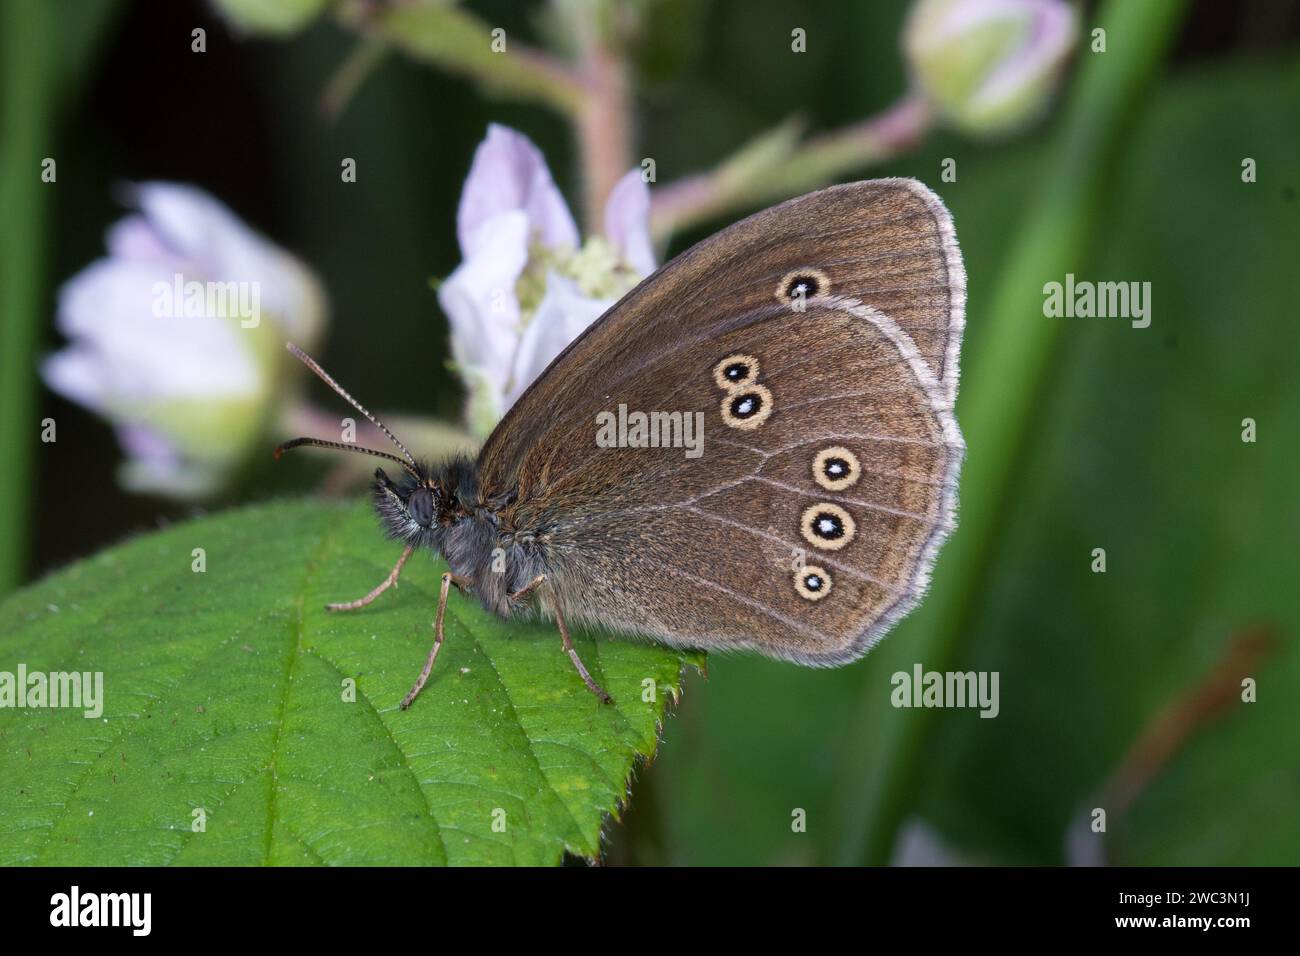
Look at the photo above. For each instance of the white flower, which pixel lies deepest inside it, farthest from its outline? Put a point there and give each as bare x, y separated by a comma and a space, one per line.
176, 338
526, 287
988, 66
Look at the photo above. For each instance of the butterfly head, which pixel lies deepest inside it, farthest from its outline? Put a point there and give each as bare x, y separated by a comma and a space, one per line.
416, 507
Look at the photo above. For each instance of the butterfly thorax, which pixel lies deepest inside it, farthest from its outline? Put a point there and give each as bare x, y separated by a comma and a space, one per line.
440, 508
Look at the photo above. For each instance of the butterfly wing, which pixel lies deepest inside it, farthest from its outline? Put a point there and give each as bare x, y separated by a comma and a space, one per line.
813, 347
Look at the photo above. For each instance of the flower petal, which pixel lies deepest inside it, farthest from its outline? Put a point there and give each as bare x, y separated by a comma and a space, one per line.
155, 468
147, 444
76, 375
109, 310
201, 230
562, 316
479, 297
509, 173
627, 222
134, 238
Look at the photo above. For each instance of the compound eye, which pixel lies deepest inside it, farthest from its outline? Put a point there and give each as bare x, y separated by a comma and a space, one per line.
420, 507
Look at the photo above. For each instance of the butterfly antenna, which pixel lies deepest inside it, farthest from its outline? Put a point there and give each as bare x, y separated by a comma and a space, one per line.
340, 446
325, 377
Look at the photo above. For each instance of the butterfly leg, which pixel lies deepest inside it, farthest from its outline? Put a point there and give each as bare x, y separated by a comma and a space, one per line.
577, 661
566, 641
448, 579
384, 585
527, 589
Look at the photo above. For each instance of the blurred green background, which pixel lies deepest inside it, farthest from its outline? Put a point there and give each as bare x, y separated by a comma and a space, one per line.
1130, 439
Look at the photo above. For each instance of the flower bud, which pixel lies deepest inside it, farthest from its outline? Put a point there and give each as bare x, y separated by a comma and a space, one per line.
988, 66
274, 17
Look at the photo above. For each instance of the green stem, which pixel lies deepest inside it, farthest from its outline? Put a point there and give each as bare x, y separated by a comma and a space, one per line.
776, 165
365, 57
457, 41
44, 53
1002, 390
30, 76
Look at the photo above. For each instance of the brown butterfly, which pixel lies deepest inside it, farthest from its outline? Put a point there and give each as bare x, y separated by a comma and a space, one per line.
816, 343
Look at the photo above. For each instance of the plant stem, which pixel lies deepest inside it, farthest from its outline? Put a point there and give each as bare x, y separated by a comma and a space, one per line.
29, 82
1002, 390
459, 42
44, 53
775, 166
364, 58
1214, 695
602, 127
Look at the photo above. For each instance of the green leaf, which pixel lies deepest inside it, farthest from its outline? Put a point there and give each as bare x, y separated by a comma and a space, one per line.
225, 691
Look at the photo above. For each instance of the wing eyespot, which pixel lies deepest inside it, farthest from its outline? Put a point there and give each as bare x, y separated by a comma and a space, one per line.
746, 408
735, 371
836, 468
827, 526
799, 285
812, 582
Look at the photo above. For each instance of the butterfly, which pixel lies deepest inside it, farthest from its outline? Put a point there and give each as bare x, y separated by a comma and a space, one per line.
816, 343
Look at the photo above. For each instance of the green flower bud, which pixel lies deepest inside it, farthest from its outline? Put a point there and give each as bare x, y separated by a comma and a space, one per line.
278, 17
988, 67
